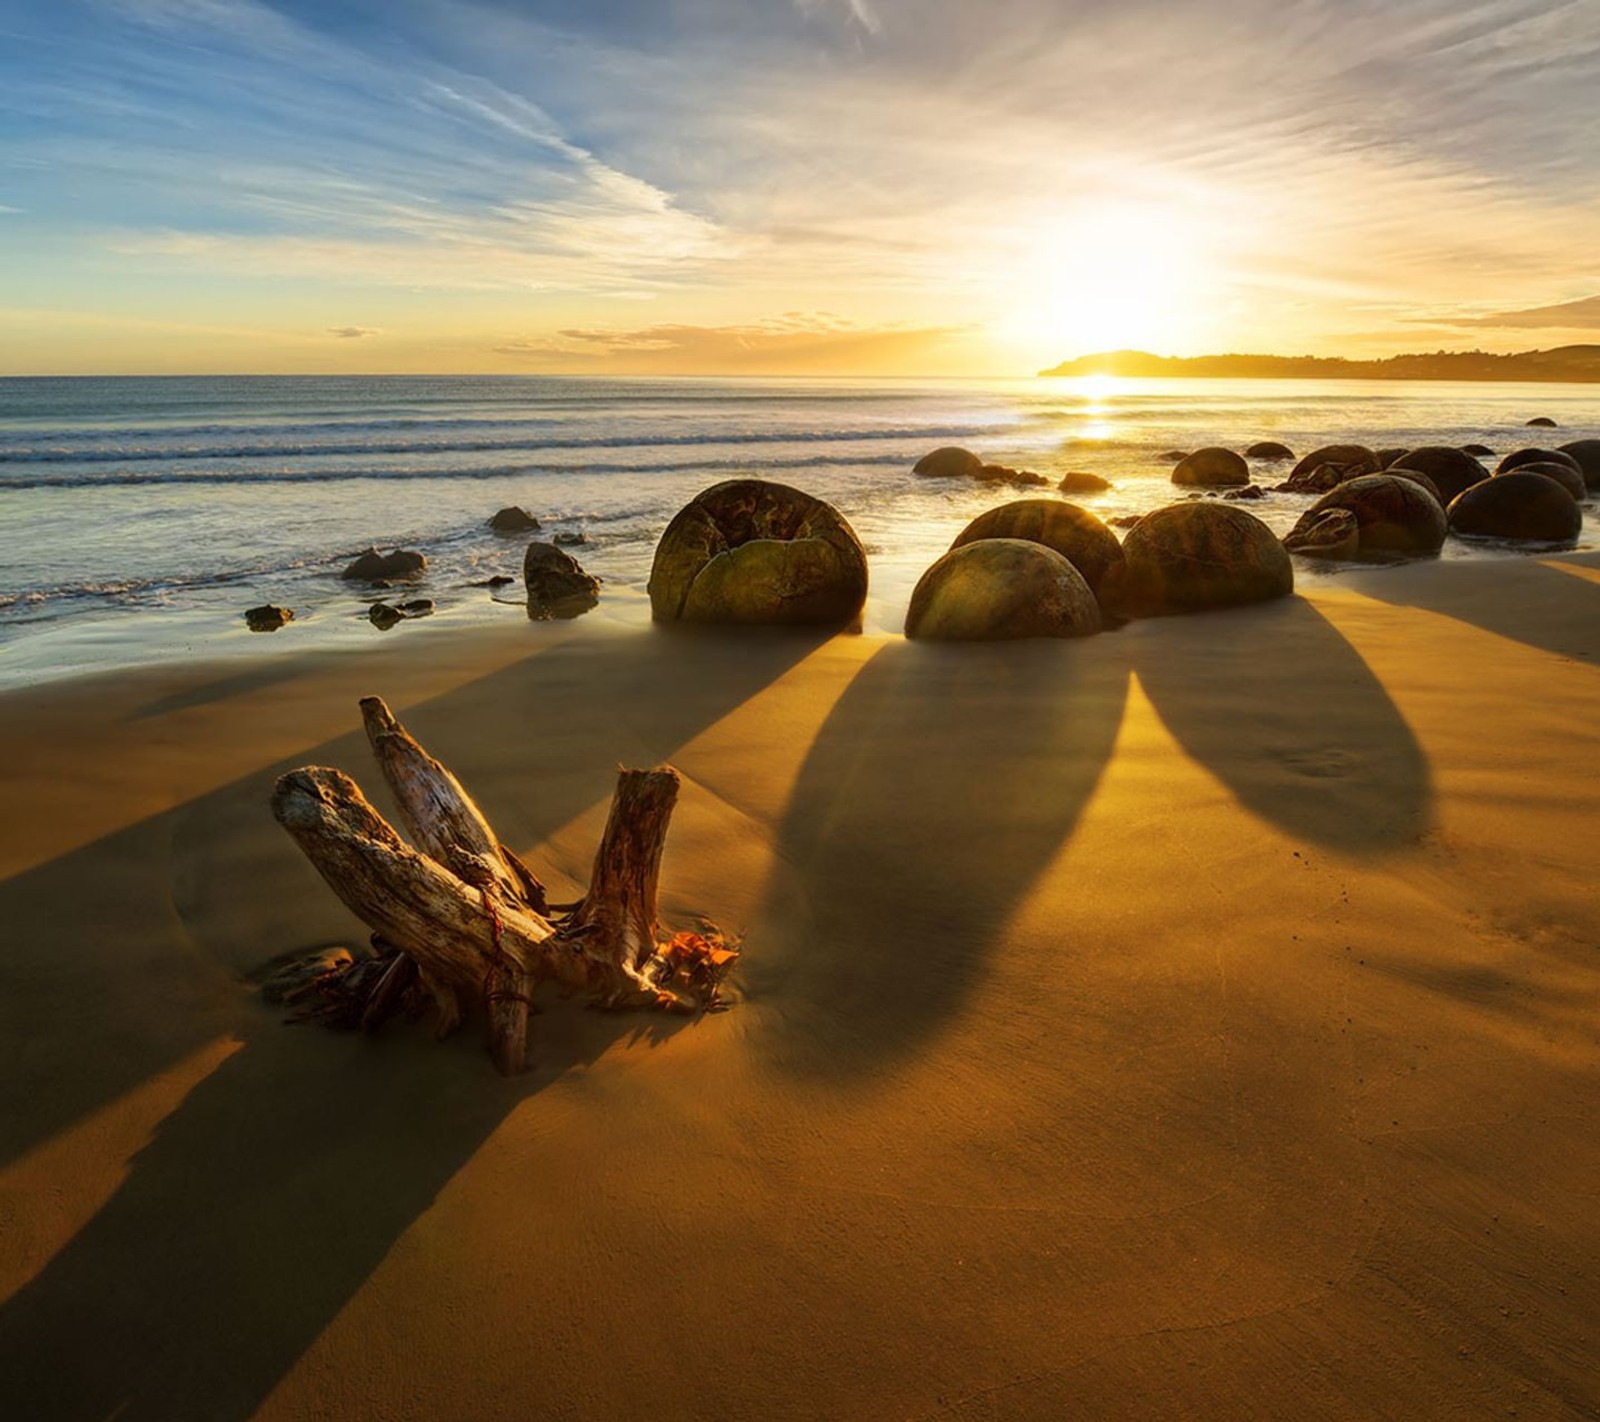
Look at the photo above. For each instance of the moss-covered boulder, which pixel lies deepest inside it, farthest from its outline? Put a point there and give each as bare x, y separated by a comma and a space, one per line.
950, 462
1212, 467
1451, 470
1395, 516
1518, 506
1585, 453
1001, 589
1075, 533
754, 553
1192, 556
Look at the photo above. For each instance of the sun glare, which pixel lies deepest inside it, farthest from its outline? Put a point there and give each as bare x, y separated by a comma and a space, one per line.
1110, 277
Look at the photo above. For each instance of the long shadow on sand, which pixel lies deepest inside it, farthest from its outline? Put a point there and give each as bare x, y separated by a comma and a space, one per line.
1277, 705
952, 776
284, 1177
1526, 600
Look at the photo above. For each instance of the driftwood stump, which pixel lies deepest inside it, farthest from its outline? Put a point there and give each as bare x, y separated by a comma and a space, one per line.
458, 919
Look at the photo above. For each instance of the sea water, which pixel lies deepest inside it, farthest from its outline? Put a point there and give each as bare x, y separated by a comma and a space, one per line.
139, 517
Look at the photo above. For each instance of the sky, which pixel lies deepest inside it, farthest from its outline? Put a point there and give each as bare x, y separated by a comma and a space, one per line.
808, 187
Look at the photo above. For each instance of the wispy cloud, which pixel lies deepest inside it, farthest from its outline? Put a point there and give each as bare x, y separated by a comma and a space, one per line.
1580, 315
352, 333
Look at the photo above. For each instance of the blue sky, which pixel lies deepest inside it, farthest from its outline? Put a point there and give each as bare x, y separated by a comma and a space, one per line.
861, 185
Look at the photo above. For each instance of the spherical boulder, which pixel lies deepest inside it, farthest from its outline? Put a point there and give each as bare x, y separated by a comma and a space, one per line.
1479, 451
1076, 481
1005, 474
1563, 474
1451, 470
1269, 449
950, 462
1001, 589
1517, 505
1192, 556
752, 552
1393, 515
1422, 481
1586, 454
1333, 533
1518, 458
1211, 467
1354, 457
1541, 422
1075, 533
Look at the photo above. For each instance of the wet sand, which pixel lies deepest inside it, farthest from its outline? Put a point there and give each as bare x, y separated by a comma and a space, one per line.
1193, 1021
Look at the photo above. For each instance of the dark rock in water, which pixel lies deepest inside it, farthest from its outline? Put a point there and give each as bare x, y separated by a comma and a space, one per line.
383, 617
1173, 456
557, 586
1386, 457
1332, 533
514, 520
1005, 474
1212, 467
1478, 451
1518, 458
1076, 534
1519, 506
1355, 459
752, 552
1124, 520
571, 540
1541, 422
1001, 589
1585, 453
417, 607
951, 462
1078, 482
1450, 469
1269, 449
1563, 474
1394, 515
1250, 491
499, 580
1191, 557
372, 565
267, 618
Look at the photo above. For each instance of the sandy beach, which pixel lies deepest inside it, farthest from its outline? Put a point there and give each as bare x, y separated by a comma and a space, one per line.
1194, 1021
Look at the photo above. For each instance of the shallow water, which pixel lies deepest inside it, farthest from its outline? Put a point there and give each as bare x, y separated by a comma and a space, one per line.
139, 517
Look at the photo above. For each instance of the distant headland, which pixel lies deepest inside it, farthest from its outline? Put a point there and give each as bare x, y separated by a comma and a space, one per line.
1571, 363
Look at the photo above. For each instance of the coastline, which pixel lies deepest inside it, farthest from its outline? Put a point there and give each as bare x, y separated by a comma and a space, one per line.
1195, 1018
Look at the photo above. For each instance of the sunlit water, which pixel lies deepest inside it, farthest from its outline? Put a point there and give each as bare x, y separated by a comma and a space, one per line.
139, 517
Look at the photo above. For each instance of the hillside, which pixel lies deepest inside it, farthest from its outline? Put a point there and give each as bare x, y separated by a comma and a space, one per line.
1565, 363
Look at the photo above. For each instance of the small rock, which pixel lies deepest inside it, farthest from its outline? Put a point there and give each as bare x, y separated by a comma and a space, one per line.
1269, 449
499, 580
1124, 520
571, 540
513, 519
1173, 456
1077, 482
418, 607
1250, 491
557, 585
383, 617
1478, 451
372, 565
1541, 422
267, 618
1004, 474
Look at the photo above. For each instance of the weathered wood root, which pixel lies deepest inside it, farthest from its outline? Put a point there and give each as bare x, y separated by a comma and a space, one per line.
460, 918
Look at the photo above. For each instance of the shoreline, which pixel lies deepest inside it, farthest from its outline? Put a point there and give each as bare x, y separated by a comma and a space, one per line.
1205, 1010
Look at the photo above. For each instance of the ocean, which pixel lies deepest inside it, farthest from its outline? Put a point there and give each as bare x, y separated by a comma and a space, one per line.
139, 517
